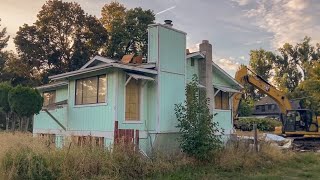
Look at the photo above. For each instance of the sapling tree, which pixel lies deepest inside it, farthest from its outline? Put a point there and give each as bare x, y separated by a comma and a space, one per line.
25, 102
200, 134
5, 88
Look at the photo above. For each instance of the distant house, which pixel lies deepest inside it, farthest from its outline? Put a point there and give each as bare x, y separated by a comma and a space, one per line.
266, 106
108, 100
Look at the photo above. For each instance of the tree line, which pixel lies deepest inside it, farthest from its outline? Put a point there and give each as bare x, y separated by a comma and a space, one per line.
64, 37
294, 69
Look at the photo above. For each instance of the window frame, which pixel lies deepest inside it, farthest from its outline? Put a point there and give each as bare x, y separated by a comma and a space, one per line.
141, 91
97, 103
55, 97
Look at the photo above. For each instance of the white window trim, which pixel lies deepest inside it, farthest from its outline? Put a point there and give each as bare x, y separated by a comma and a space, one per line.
93, 104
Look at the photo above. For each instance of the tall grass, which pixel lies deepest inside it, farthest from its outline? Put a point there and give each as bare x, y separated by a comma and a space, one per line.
25, 157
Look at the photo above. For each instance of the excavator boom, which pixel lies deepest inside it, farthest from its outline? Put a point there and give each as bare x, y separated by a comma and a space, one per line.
246, 76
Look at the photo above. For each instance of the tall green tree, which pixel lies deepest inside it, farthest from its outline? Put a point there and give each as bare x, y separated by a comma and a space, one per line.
197, 127
310, 89
4, 38
261, 63
287, 74
127, 29
62, 39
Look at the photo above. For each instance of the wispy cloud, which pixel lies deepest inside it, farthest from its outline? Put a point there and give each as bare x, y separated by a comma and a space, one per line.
288, 20
168, 9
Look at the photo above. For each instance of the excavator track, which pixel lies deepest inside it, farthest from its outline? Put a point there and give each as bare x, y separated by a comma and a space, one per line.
306, 144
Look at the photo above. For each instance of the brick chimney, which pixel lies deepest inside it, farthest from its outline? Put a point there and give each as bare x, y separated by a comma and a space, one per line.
205, 70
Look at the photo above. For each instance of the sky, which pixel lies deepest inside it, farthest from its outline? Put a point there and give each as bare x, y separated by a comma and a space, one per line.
233, 27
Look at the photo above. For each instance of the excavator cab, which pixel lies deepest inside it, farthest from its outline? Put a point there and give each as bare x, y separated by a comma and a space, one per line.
299, 120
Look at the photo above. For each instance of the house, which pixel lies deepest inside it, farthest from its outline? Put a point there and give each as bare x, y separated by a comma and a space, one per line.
108, 100
266, 106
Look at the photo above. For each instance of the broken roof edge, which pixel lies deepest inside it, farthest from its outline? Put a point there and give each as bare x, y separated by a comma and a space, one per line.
164, 26
226, 74
196, 54
101, 67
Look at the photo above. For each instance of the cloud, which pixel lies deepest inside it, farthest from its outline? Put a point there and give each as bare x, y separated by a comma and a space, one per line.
230, 65
242, 2
287, 20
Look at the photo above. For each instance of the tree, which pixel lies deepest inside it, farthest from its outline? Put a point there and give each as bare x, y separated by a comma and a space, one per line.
62, 39
261, 63
310, 89
127, 29
4, 38
25, 102
245, 107
5, 88
198, 130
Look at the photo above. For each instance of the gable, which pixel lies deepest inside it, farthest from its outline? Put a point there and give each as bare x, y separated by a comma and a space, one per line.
97, 60
222, 78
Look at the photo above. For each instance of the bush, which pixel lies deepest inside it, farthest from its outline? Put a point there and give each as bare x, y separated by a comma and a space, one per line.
263, 124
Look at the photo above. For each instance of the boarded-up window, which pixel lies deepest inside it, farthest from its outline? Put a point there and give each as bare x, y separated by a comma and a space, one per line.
88, 141
132, 100
221, 100
91, 90
49, 98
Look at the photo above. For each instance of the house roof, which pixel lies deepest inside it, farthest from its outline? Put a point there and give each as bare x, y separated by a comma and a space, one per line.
226, 74
264, 101
105, 64
52, 85
197, 55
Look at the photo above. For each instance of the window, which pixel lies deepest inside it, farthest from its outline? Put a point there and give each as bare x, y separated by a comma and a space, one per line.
269, 107
257, 107
91, 90
263, 108
49, 98
221, 100
132, 100
192, 62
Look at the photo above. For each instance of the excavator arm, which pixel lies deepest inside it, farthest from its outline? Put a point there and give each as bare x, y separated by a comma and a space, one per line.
246, 76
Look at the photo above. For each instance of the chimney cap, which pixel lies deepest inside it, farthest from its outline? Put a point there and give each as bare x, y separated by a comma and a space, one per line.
205, 41
168, 22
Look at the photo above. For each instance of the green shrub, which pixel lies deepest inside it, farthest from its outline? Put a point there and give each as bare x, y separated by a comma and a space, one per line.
263, 124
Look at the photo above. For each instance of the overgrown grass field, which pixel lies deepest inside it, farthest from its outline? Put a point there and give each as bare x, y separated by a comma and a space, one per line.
25, 157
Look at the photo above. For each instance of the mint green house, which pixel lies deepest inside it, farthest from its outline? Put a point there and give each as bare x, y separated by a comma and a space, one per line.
107, 101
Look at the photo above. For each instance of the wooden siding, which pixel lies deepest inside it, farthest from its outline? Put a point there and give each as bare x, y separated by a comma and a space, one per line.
95, 117
191, 70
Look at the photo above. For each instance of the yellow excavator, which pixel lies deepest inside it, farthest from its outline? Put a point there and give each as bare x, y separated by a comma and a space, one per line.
295, 122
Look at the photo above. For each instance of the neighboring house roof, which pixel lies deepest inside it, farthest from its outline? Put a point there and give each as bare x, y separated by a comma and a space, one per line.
264, 101
105, 64
268, 100
52, 85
